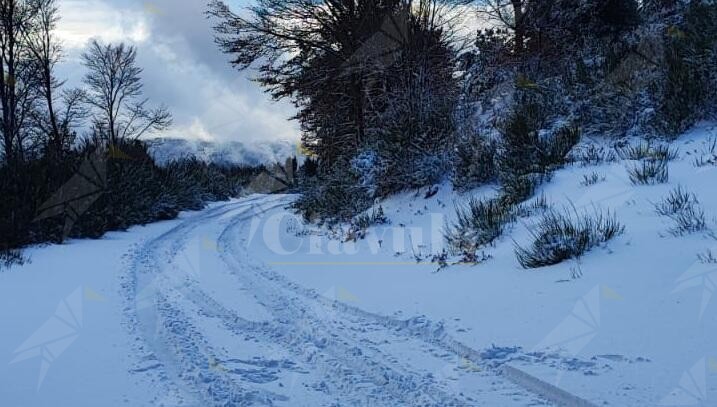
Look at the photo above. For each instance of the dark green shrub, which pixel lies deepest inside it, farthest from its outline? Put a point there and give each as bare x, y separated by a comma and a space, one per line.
525, 156
474, 163
690, 56
334, 197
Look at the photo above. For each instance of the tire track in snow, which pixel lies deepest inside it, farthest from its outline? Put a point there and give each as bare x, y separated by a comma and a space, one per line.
166, 363
284, 298
334, 340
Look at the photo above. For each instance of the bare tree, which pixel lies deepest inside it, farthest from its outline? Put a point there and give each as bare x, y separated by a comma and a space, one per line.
17, 76
58, 117
115, 91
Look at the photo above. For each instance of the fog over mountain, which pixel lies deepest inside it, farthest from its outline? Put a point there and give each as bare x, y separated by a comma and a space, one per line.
253, 153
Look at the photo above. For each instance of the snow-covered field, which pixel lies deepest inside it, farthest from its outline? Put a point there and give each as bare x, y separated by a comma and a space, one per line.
244, 304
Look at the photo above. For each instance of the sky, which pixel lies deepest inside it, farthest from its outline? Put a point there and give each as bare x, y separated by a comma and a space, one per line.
183, 68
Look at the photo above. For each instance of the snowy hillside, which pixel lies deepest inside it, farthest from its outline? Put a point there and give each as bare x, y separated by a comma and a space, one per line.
257, 153
246, 304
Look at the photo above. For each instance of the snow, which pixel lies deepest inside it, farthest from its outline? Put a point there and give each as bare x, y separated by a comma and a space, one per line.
244, 304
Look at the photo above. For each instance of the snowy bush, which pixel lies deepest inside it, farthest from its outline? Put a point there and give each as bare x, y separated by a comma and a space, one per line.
707, 257
565, 235
526, 156
478, 224
423, 170
517, 189
593, 154
708, 154
367, 168
690, 54
359, 224
474, 163
688, 220
333, 197
677, 201
432, 169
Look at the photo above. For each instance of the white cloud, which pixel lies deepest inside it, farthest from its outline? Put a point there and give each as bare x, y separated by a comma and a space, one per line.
86, 19
183, 68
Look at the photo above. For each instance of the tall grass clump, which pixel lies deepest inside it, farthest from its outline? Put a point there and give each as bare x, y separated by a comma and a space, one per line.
677, 201
708, 154
648, 151
564, 235
684, 209
478, 224
649, 172
592, 179
11, 257
593, 154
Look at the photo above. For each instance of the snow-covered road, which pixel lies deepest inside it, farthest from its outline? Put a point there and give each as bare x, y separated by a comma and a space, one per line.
216, 326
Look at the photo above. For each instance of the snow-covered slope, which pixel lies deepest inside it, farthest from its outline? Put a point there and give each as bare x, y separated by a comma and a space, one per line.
165, 150
245, 304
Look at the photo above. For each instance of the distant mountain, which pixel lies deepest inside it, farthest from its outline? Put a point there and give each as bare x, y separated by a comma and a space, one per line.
165, 150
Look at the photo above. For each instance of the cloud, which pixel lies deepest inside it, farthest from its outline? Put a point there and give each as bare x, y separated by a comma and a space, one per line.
183, 68
85, 19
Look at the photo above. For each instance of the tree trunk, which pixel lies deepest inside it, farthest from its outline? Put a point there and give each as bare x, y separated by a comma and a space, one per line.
519, 26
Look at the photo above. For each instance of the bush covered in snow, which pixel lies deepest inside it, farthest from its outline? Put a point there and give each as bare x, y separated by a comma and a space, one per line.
565, 235
478, 224
527, 153
690, 57
474, 163
337, 195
